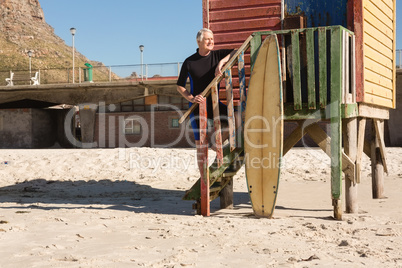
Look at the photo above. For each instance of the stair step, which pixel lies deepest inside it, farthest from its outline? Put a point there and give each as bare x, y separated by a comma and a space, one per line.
215, 189
229, 174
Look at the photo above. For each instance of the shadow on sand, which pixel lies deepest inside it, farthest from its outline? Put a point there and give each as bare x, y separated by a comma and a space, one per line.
118, 195
103, 194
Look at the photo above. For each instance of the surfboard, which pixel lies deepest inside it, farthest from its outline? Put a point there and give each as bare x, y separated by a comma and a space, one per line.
263, 128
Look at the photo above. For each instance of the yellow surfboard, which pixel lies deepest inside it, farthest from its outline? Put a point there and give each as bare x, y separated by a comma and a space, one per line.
263, 128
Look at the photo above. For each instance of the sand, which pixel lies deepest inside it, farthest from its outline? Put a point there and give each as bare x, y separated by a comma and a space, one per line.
123, 208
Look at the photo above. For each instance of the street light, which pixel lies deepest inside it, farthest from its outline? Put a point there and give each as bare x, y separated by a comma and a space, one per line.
72, 31
29, 55
142, 61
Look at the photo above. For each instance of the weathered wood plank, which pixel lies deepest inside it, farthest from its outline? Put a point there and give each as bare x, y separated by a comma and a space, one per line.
347, 97
215, 172
350, 149
205, 206
255, 44
322, 65
369, 111
335, 113
297, 97
242, 90
230, 107
360, 148
379, 128
217, 124
226, 194
377, 168
394, 56
321, 138
310, 69
293, 138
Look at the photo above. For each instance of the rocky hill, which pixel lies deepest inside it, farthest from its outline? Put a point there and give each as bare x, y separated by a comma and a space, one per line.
23, 28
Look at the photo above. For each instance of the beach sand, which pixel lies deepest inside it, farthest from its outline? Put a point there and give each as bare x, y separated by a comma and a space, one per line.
123, 208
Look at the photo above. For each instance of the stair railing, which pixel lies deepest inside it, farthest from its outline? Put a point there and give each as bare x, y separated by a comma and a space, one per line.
235, 136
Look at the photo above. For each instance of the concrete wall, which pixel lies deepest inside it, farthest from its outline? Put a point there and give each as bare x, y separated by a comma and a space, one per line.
26, 128
156, 130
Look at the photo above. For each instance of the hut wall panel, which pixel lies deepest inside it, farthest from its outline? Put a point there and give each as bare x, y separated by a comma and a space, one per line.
234, 21
379, 54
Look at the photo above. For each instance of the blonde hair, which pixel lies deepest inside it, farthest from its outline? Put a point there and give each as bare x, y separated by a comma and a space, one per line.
200, 34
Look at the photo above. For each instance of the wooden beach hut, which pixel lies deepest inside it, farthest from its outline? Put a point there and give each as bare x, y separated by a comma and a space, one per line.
338, 67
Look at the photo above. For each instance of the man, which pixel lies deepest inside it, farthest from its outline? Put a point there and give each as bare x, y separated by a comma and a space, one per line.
201, 68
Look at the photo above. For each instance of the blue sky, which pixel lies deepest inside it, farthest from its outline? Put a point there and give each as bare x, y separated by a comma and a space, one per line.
111, 31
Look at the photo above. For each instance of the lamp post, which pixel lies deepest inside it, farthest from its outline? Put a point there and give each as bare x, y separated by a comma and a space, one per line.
30, 55
72, 31
142, 61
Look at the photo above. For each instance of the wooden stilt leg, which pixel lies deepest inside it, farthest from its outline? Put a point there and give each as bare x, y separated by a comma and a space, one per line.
360, 148
350, 146
204, 170
336, 122
377, 168
226, 195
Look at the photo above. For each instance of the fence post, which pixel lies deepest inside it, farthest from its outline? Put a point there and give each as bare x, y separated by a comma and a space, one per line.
178, 68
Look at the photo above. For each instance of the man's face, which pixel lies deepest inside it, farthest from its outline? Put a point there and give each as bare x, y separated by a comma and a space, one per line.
207, 43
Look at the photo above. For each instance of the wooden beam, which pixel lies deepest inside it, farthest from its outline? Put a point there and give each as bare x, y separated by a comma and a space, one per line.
296, 65
321, 138
322, 50
379, 129
370, 111
230, 109
360, 148
310, 69
292, 139
350, 149
377, 168
242, 89
217, 124
226, 194
203, 160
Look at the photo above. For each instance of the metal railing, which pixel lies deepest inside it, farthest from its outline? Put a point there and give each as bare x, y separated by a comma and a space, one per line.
111, 73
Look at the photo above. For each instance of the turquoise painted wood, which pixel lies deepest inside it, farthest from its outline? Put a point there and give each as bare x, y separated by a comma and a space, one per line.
322, 65
316, 39
310, 69
296, 76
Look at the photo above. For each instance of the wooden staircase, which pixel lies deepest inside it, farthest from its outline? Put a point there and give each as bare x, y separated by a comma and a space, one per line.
216, 178
220, 180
